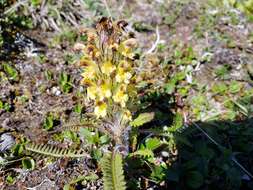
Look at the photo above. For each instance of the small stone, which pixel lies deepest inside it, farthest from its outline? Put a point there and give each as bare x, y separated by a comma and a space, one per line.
6, 142
165, 154
56, 91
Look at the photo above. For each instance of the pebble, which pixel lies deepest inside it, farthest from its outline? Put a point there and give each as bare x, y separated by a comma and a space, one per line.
165, 154
6, 142
56, 91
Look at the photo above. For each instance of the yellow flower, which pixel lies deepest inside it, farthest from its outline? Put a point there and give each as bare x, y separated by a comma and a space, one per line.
87, 82
86, 61
100, 109
125, 49
125, 64
114, 46
127, 116
105, 90
90, 72
123, 76
107, 68
127, 52
120, 97
90, 68
91, 92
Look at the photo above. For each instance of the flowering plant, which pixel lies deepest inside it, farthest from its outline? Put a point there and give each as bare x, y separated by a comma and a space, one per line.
109, 76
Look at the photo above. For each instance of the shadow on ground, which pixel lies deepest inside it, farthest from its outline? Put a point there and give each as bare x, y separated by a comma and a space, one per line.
201, 155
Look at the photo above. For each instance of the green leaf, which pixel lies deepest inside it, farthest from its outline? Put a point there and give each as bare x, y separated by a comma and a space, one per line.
234, 87
11, 72
52, 151
104, 139
78, 108
70, 135
113, 174
96, 154
142, 119
28, 163
177, 123
10, 179
18, 149
49, 122
158, 173
87, 135
152, 143
68, 187
36, 2
143, 153
65, 82
170, 87
1, 105
179, 76
219, 88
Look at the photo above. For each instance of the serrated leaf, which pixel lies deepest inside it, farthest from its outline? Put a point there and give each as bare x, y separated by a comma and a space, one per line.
142, 119
143, 153
152, 143
113, 174
52, 151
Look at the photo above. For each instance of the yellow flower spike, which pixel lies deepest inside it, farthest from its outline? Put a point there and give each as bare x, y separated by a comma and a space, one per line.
107, 68
105, 90
120, 97
100, 109
91, 92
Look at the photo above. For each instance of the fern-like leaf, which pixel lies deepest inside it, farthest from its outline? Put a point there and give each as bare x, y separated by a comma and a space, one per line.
113, 174
52, 151
142, 119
